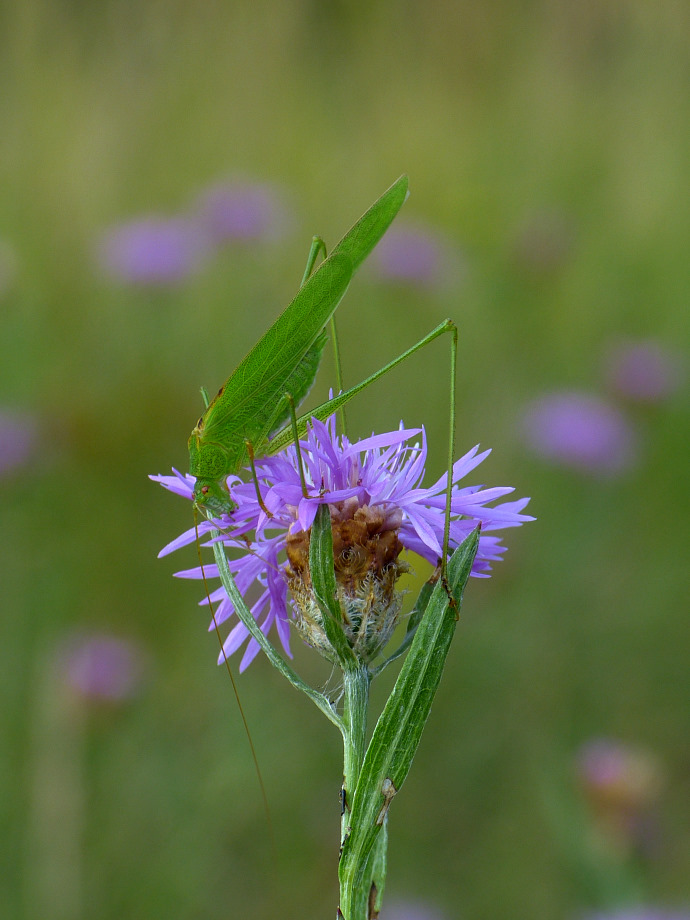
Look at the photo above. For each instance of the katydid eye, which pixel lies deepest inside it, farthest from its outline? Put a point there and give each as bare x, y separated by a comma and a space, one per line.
204, 490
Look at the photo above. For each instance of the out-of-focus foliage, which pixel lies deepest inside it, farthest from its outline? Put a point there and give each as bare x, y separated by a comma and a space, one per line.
547, 147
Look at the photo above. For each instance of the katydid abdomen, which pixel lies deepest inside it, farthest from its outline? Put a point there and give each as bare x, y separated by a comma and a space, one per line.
252, 404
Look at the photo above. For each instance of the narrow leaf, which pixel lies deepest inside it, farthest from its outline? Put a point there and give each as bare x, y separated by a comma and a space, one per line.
325, 588
276, 660
399, 728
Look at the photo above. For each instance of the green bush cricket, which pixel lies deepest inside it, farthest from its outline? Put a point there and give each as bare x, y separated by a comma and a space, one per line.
252, 405
251, 412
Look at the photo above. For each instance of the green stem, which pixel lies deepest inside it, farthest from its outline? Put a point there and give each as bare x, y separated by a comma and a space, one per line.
356, 682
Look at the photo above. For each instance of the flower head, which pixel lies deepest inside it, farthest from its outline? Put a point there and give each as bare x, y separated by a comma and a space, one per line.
581, 431
415, 255
644, 371
102, 667
237, 211
153, 250
378, 507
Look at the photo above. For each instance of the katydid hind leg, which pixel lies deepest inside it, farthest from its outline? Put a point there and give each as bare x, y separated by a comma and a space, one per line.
298, 449
326, 409
255, 479
338, 373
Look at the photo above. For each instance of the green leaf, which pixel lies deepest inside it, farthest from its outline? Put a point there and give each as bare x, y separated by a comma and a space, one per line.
276, 660
325, 588
361, 239
399, 728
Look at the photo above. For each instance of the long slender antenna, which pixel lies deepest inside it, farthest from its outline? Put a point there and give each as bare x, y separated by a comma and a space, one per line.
295, 434
274, 852
451, 442
317, 246
338, 373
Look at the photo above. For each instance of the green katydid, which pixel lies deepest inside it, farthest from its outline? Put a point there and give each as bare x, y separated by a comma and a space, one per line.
251, 411
248, 415
256, 400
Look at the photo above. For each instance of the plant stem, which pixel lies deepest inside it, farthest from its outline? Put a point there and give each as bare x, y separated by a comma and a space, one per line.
355, 707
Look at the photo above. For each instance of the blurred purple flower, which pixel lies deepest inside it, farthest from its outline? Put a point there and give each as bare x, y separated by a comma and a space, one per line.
18, 438
378, 507
153, 250
412, 255
579, 430
616, 772
101, 667
644, 370
241, 211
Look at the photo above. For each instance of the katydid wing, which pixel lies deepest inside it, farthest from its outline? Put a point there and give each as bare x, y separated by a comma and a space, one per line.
252, 404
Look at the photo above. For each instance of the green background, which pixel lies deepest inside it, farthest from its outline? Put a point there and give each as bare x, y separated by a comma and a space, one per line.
498, 111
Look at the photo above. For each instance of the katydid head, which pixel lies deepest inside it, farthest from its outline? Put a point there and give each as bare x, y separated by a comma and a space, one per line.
212, 498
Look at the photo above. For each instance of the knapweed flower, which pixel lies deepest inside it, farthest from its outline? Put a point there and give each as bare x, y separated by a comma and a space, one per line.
581, 431
237, 211
378, 507
413, 254
102, 667
153, 250
643, 371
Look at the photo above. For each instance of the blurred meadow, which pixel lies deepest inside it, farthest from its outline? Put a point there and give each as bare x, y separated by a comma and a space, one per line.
548, 151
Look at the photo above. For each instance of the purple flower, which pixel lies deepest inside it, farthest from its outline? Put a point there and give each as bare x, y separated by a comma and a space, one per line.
579, 430
605, 764
644, 371
18, 437
153, 250
412, 255
101, 667
378, 507
241, 211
